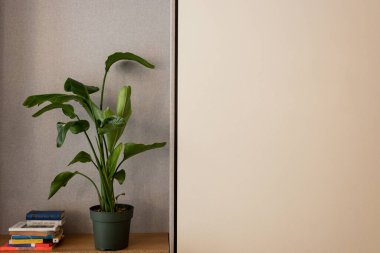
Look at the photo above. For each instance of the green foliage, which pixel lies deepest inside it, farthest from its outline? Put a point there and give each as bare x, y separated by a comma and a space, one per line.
67, 109
119, 56
120, 176
111, 124
82, 157
113, 158
52, 98
131, 149
109, 128
79, 88
75, 127
124, 110
60, 180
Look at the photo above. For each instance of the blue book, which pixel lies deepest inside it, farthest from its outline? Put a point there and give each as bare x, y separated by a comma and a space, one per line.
22, 245
17, 237
45, 215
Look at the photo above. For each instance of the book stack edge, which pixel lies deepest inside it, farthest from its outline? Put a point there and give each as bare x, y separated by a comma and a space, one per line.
41, 231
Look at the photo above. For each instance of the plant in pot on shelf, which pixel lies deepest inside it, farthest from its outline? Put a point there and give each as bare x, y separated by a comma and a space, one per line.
111, 221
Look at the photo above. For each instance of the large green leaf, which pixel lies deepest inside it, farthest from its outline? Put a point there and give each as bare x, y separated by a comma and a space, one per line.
113, 120
131, 149
123, 109
67, 109
79, 126
123, 105
60, 181
120, 176
82, 157
75, 127
58, 99
113, 158
111, 124
79, 88
53, 98
119, 56
97, 113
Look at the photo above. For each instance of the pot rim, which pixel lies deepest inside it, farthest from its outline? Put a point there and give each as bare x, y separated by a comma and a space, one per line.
111, 216
97, 207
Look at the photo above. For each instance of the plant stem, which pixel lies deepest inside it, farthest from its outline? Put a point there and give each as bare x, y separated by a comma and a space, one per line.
107, 189
101, 142
97, 190
107, 195
105, 145
101, 151
93, 150
106, 181
95, 165
92, 147
104, 82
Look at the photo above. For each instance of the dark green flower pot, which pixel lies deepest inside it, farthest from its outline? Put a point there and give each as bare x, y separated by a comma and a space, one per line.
111, 230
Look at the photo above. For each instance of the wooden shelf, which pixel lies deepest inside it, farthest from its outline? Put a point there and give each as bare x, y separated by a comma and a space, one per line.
138, 243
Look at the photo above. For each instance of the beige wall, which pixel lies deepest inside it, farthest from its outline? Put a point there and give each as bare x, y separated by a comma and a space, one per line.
279, 126
43, 43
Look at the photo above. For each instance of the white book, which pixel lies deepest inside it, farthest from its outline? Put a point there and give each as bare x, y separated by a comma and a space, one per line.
22, 226
45, 222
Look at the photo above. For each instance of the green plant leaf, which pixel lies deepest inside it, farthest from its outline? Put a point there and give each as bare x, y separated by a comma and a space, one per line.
111, 124
54, 98
58, 99
131, 149
75, 127
82, 157
98, 114
120, 176
62, 130
79, 126
67, 109
113, 120
123, 105
59, 181
79, 88
108, 113
113, 158
119, 56
123, 109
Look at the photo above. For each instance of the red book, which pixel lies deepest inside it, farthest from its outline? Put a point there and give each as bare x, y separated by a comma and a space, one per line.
38, 247
44, 245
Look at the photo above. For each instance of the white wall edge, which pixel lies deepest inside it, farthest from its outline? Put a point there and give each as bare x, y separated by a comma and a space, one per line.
172, 124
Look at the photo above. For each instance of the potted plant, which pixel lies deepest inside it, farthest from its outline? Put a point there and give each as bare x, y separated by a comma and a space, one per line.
111, 221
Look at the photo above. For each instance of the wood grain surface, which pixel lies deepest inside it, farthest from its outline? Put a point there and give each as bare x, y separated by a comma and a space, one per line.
138, 243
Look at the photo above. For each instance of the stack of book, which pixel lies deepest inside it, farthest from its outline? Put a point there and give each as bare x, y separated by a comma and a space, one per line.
41, 231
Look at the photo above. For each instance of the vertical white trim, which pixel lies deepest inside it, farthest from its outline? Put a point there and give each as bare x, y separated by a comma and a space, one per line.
172, 124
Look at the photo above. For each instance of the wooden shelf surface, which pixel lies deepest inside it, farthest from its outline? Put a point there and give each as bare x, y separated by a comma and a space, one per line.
138, 243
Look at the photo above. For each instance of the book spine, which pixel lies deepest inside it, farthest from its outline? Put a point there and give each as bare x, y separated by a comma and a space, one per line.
8, 247
35, 229
24, 245
43, 245
30, 233
25, 241
43, 216
31, 237
44, 222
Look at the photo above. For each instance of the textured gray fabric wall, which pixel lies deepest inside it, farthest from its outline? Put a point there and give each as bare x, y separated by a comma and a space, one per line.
43, 43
